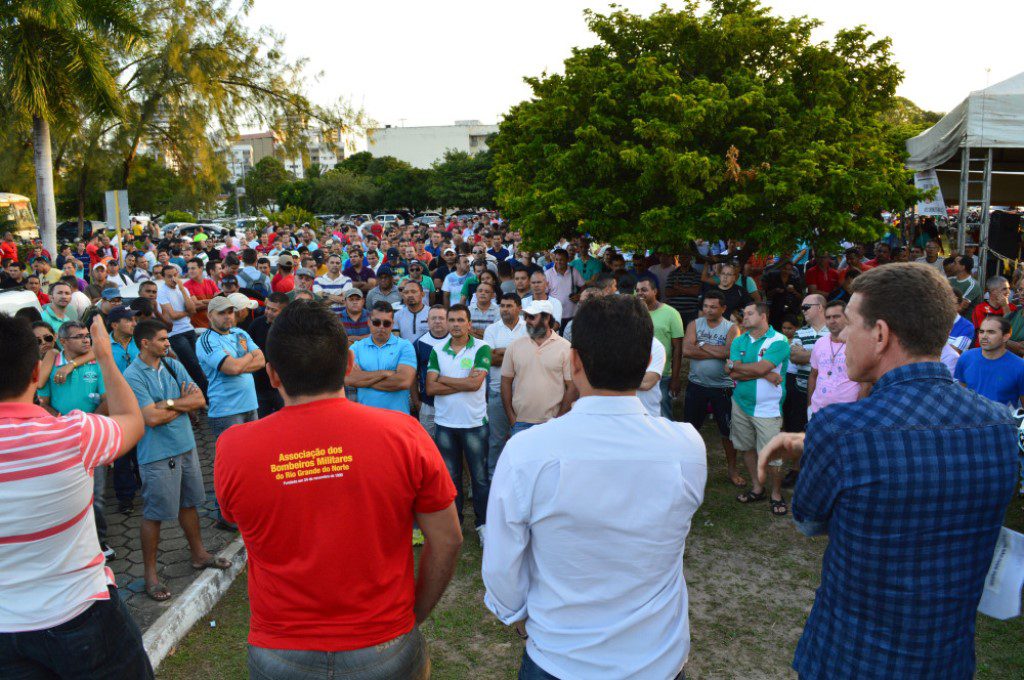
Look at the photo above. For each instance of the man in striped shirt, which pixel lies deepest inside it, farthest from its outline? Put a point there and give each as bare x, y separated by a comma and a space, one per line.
60, 615
331, 286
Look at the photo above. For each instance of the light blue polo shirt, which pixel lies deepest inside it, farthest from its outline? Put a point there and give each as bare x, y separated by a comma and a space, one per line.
395, 352
228, 394
83, 390
154, 385
124, 355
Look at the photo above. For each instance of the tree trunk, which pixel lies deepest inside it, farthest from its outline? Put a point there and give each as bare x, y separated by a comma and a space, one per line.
46, 201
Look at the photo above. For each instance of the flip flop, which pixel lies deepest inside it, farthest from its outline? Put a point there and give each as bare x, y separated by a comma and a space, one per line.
158, 592
213, 563
779, 507
750, 497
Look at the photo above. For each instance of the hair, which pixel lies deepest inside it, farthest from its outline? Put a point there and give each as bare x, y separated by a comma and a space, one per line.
791, 319
1004, 324
612, 335
489, 284
410, 282
514, 297
438, 306
995, 282
921, 328
604, 280
278, 298
504, 269
147, 329
66, 328
851, 274
211, 266
308, 349
836, 303
762, 307
21, 356
197, 262
959, 295
231, 260
383, 307
715, 294
459, 308
560, 251
62, 282
30, 314
143, 306
147, 283
967, 261
249, 256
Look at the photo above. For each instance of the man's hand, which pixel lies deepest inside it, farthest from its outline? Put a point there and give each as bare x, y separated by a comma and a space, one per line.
774, 378
63, 373
673, 386
784, 446
100, 340
520, 628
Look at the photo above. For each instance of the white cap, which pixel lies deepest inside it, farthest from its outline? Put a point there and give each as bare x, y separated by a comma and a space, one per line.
539, 306
241, 301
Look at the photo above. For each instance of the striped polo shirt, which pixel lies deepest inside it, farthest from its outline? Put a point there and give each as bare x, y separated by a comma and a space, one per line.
325, 285
461, 409
51, 566
806, 336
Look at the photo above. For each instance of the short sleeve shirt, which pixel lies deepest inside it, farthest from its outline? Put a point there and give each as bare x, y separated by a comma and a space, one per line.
1001, 380
227, 394
539, 374
668, 326
153, 385
394, 353
82, 391
165, 295
806, 337
462, 410
651, 398
759, 398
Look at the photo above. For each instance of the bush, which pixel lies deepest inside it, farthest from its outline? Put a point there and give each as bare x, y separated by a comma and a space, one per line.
177, 216
291, 216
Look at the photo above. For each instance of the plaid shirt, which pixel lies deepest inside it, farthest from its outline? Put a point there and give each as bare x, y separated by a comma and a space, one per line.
911, 484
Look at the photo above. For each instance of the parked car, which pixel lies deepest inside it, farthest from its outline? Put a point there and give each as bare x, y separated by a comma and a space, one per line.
13, 300
68, 230
388, 219
214, 230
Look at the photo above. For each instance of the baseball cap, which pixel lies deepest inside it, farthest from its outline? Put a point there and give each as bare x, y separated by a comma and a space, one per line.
285, 260
353, 291
110, 293
120, 312
392, 253
539, 306
241, 301
449, 250
384, 270
230, 279
415, 263
219, 304
306, 271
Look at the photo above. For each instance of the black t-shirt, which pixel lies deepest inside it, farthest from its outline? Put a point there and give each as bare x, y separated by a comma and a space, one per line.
735, 298
258, 331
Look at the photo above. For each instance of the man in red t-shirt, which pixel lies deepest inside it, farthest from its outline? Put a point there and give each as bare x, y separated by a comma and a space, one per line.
325, 492
998, 303
823, 277
284, 279
202, 289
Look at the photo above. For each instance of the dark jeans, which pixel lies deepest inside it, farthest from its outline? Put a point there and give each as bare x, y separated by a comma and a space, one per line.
99, 501
528, 670
794, 408
101, 643
184, 346
471, 442
217, 427
695, 408
126, 476
269, 402
404, 657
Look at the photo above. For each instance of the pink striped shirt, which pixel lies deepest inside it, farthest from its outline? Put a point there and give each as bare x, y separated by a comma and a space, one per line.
51, 567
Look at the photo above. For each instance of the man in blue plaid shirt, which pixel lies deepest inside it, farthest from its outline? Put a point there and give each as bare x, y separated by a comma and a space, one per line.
911, 485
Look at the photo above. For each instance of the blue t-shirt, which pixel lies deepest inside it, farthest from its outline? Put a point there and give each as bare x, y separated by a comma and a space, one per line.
395, 352
228, 394
124, 356
155, 385
83, 390
1001, 380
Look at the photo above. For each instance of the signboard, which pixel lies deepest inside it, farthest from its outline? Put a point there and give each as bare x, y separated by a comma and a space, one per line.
117, 216
932, 207
240, 190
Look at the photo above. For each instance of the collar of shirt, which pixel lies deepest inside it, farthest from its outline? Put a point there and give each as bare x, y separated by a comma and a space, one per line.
448, 346
608, 406
924, 370
392, 340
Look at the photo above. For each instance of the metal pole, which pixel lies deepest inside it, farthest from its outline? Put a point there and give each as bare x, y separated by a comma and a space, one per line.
965, 174
986, 192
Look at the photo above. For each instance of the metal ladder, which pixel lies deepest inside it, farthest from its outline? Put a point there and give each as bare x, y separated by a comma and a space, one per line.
975, 191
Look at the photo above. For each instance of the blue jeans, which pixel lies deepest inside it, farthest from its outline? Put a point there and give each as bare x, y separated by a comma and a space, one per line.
101, 643
521, 427
471, 442
497, 422
99, 502
126, 476
666, 398
404, 657
529, 670
184, 346
217, 427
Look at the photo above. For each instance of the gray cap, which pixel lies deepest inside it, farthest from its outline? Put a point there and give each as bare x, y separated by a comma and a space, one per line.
306, 271
353, 291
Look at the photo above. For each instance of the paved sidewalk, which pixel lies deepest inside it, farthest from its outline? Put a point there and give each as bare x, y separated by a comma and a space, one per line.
173, 562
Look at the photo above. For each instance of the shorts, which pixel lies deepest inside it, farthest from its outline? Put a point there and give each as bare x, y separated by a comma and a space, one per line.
171, 484
750, 433
695, 407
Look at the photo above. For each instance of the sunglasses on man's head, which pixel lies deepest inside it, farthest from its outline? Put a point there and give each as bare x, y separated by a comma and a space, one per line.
45, 338
382, 322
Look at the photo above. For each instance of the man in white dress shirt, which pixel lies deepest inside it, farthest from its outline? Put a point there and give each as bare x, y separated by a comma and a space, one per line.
599, 593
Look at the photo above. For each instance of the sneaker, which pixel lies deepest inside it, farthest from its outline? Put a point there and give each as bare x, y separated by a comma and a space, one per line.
417, 537
480, 533
125, 507
108, 552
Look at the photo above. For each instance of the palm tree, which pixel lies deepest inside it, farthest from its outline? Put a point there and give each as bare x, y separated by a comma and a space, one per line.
55, 61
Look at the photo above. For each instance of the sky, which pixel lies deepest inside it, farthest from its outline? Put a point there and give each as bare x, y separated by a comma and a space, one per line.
409, 62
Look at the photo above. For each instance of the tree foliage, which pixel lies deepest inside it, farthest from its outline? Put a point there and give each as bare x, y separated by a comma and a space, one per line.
727, 124
461, 179
265, 180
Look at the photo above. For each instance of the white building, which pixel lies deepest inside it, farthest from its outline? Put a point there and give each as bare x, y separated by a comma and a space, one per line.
239, 161
422, 146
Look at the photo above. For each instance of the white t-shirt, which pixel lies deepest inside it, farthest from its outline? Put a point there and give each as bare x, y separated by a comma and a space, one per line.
500, 336
651, 399
174, 297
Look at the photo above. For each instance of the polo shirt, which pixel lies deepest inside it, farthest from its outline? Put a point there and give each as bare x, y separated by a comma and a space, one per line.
50, 560
392, 297
462, 409
826, 281
806, 336
83, 390
499, 336
480, 319
425, 282
539, 374
592, 267
227, 394
151, 386
668, 326
759, 398
411, 325
562, 286
124, 355
388, 357
325, 285
355, 329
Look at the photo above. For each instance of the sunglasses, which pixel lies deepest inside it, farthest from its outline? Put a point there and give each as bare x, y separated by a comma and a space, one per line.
382, 322
45, 338
806, 307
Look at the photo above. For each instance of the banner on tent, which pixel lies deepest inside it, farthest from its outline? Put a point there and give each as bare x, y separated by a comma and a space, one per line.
935, 206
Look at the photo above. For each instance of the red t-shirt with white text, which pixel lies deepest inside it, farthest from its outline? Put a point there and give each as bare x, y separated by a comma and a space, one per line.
324, 495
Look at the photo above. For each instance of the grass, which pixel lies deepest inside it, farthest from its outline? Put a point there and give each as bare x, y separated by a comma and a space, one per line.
751, 580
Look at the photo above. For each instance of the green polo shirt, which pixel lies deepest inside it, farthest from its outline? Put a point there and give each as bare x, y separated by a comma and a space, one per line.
461, 409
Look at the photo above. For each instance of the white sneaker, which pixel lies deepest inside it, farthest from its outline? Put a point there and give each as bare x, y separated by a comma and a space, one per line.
108, 552
480, 533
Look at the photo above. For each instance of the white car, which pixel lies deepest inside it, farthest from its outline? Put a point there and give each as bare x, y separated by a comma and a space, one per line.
388, 219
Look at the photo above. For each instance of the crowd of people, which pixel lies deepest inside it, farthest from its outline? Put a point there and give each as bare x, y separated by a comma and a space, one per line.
361, 367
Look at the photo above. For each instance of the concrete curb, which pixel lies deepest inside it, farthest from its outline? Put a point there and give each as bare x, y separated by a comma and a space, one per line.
193, 604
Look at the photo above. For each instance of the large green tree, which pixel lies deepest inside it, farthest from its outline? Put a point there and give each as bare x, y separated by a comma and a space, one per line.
727, 123
461, 179
55, 63
265, 180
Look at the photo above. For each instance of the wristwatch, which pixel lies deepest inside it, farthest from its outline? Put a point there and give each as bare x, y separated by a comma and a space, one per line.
701, 343
729, 364
169, 403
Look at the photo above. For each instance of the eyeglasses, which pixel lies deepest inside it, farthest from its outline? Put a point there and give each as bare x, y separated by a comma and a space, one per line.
79, 337
382, 322
45, 338
813, 304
